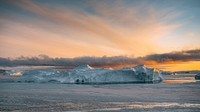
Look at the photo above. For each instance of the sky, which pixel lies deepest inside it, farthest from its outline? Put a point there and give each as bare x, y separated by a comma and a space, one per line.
76, 28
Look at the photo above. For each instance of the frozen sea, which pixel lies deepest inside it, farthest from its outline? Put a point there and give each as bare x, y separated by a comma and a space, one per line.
180, 93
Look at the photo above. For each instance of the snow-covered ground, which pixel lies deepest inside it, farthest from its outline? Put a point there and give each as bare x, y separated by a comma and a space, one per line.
179, 93
31, 97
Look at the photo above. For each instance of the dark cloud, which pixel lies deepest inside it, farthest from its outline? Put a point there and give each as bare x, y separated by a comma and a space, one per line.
189, 55
122, 61
42, 60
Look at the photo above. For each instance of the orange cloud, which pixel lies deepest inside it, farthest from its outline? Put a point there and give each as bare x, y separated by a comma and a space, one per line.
115, 29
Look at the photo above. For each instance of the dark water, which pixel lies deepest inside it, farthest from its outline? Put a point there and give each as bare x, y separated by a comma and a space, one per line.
178, 97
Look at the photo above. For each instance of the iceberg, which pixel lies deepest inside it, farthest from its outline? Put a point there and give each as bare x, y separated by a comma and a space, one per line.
86, 74
197, 76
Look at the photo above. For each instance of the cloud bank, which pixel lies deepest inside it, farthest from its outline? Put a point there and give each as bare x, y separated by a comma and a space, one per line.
189, 55
114, 61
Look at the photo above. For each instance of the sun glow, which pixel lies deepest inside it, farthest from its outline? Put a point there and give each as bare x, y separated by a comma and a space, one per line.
178, 66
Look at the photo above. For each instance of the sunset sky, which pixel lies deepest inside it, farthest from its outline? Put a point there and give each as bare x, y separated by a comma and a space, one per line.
75, 28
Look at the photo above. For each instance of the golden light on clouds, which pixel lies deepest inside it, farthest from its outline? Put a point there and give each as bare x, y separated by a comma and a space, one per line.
97, 28
65, 32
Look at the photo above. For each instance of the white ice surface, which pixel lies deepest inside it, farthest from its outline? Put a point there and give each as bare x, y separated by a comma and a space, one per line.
86, 74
